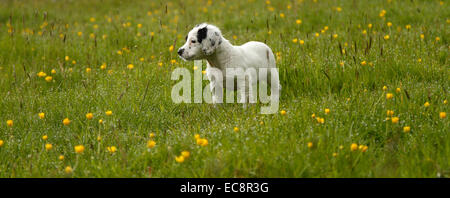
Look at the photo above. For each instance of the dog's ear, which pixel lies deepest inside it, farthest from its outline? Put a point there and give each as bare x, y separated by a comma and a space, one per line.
210, 41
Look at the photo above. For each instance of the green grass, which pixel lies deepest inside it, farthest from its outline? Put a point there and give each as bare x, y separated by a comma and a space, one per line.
311, 76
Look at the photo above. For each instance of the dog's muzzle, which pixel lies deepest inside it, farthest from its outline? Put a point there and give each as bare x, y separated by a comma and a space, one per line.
180, 51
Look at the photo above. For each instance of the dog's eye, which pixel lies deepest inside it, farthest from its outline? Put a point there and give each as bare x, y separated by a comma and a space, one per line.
193, 41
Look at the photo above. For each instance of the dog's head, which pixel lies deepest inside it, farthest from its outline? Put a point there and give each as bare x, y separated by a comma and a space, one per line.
201, 41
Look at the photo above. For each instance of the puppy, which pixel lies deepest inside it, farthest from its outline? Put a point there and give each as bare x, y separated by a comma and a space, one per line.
205, 41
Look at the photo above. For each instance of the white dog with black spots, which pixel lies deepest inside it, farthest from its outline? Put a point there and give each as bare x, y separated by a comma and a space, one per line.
205, 41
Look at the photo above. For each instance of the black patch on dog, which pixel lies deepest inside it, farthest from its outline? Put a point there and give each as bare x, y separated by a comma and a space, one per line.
201, 34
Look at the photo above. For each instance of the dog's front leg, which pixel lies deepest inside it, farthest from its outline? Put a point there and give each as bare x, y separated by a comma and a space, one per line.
244, 94
216, 87
216, 92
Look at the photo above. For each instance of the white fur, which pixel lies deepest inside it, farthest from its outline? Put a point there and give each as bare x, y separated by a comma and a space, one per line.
221, 54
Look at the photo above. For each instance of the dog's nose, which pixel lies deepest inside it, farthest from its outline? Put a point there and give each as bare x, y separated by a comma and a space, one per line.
180, 51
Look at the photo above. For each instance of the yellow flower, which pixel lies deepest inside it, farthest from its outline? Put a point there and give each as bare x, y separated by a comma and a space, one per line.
390, 113
100, 121
320, 120
422, 36
66, 58
313, 116
89, 116
79, 149
445, 102
141, 59
316, 34
442, 115
42, 74
185, 154
48, 79
44, 137
108, 113
179, 159
298, 21
66, 121
88, 70
302, 42
234, 37
338, 9
283, 112
282, 15
92, 19
310, 144
48, 147
202, 141
61, 157
354, 147
406, 129
364, 149
151, 144
171, 48
197, 136
99, 138
389, 24
398, 90
111, 149
80, 33
386, 37
236, 129
438, 39
327, 111
363, 63
395, 120
384, 88
139, 25
335, 154
119, 52
74, 62
294, 40
68, 170
41, 115
427, 104
103, 66
130, 66
389, 96
370, 25
342, 63
364, 31
408, 27
335, 35
1, 143
53, 71
10, 123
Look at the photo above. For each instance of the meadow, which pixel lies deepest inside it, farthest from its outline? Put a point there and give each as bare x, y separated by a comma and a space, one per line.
85, 90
